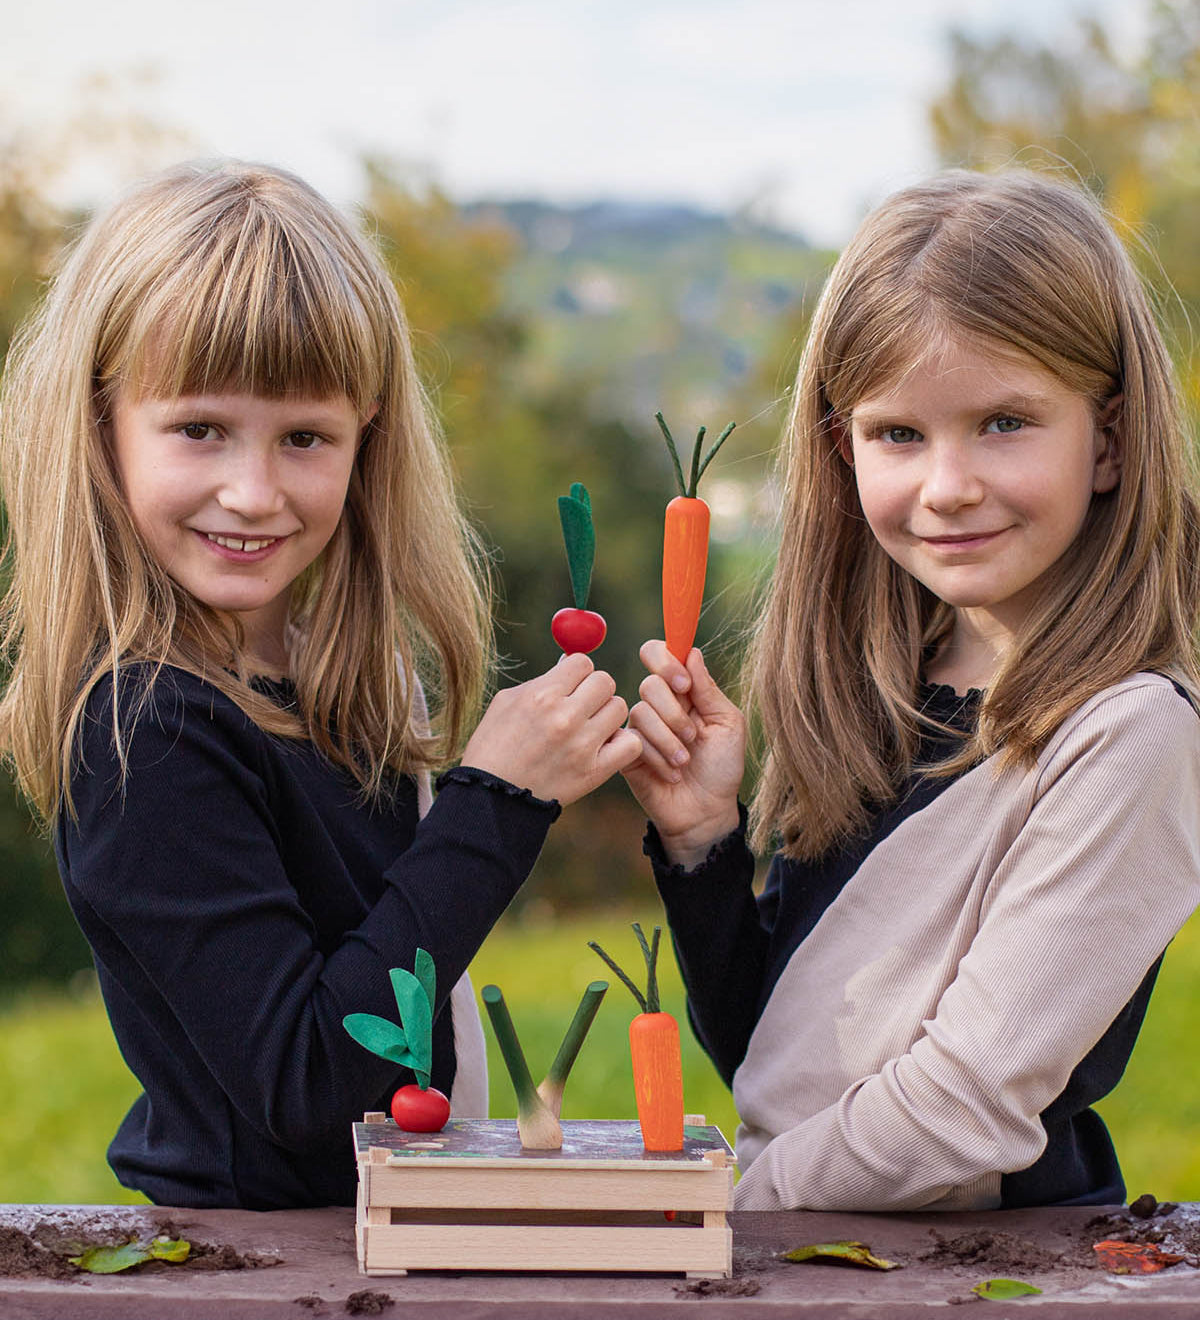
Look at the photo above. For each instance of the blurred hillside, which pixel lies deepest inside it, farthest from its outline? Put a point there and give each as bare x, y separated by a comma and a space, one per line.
661, 306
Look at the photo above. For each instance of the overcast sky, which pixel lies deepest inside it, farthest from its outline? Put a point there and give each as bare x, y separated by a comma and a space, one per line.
809, 109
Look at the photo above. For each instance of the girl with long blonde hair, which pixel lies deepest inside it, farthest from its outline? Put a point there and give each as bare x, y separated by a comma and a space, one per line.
237, 564
975, 674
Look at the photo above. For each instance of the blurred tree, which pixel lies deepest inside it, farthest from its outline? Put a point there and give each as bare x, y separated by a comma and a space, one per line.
1125, 125
516, 449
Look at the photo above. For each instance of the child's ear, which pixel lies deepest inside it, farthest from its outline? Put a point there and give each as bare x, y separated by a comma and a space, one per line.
839, 433
1107, 472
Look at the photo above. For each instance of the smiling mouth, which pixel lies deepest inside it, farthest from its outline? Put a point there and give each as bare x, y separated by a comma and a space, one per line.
244, 544
963, 538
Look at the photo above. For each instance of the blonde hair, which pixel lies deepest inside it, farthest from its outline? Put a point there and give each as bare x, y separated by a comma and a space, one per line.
1018, 262
230, 277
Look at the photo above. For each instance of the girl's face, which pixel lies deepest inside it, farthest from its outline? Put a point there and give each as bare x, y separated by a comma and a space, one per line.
235, 495
975, 471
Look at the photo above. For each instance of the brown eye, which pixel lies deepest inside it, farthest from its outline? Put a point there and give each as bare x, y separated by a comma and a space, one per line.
196, 430
303, 440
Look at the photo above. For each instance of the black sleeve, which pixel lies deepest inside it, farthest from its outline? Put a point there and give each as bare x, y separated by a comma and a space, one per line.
178, 879
720, 943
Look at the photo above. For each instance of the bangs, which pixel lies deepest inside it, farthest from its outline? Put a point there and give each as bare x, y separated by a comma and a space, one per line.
255, 305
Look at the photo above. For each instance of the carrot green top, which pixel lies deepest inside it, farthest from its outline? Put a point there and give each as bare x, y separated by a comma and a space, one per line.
688, 490
648, 1002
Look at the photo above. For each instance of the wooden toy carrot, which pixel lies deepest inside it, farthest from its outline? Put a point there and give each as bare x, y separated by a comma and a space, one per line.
654, 1051
578, 629
685, 546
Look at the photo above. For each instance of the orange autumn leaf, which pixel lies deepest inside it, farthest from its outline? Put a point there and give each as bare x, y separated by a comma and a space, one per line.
1134, 1257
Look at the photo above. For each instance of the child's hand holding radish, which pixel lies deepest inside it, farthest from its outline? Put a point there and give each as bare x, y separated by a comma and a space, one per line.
693, 754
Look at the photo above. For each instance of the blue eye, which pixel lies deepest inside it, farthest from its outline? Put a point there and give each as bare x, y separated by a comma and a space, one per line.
900, 435
1005, 425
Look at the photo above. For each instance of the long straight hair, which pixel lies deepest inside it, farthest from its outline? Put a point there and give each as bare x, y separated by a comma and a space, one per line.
1026, 265
231, 278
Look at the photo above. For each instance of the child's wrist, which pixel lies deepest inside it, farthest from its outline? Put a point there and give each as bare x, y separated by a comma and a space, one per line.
689, 848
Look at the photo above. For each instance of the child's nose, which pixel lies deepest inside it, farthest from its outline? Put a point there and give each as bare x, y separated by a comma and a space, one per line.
250, 486
950, 479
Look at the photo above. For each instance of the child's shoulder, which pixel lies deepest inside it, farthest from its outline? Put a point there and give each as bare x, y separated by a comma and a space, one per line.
1145, 718
154, 707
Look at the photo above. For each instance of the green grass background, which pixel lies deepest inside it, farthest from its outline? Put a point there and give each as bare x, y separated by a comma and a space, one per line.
63, 1087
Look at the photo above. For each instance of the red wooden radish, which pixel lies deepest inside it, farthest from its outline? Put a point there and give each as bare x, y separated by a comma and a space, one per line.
578, 629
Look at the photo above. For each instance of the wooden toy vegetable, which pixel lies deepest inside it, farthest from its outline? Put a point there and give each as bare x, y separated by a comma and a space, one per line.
538, 1108
420, 1107
578, 629
654, 1051
685, 546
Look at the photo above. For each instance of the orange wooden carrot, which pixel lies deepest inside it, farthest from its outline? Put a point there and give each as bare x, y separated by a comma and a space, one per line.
685, 547
654, 1052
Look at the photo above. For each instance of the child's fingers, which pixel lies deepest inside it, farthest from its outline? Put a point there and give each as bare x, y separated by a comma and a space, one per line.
567, 673
662, 744
594, 693
619, 752
707, 699
674, 710
658, 660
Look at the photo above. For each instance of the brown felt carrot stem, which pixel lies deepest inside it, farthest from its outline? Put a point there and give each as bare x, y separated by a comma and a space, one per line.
685, 546
654, 1052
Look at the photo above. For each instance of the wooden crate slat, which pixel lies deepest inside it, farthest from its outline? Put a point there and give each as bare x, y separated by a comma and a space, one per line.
433, 1247
541, 1188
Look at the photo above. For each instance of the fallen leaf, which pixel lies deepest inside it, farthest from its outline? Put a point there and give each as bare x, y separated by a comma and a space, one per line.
1134, 1257
848, 1253
112, 1260
1001, 1290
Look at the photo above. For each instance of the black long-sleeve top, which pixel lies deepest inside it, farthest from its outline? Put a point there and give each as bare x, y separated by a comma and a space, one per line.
240, 899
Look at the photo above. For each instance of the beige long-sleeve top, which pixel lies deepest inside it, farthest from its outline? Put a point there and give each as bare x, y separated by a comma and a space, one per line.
977, 955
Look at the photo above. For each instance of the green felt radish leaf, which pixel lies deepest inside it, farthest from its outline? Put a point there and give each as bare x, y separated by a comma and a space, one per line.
1002, 1290
427, 975
580, 492
416, 1012
380, 1037
579, 537
411, 1043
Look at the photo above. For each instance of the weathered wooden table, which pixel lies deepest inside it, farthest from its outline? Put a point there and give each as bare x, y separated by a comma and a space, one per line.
316, 1274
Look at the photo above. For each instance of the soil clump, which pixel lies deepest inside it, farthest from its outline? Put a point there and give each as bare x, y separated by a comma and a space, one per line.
43, 1249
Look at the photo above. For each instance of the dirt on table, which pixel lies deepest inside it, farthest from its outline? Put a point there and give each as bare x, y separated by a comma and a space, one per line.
367, 1302
43, 1249
1176, 1228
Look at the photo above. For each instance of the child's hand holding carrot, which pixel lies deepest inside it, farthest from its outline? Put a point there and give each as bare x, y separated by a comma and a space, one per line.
693, 754
559, 735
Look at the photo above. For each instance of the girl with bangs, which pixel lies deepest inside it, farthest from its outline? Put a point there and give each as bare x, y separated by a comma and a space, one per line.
235, 551
975, 675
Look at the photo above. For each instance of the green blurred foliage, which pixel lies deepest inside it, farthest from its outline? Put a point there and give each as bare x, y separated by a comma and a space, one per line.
1125, 124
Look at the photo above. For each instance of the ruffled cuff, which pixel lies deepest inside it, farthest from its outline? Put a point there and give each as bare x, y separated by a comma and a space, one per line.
469, 774
664, 869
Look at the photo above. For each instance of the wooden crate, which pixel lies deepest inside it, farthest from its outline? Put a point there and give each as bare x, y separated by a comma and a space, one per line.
470, 1198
